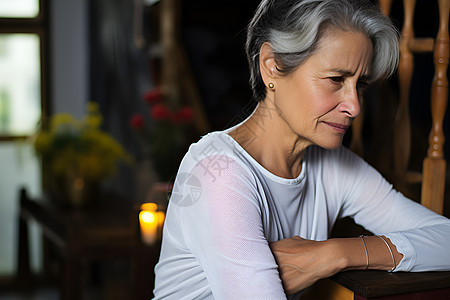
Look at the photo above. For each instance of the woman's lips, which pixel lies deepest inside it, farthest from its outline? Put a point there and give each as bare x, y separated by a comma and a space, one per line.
340, 128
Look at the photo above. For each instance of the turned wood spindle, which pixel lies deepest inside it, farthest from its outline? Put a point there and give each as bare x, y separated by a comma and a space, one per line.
433, 184
402, 128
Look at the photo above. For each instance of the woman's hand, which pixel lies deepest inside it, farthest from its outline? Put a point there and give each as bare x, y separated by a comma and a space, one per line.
302, 262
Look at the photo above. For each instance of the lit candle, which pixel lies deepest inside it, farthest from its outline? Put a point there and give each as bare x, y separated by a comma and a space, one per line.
148, 220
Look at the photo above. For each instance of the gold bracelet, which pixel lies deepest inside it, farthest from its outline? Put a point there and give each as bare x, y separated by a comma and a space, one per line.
365, 249
390, 251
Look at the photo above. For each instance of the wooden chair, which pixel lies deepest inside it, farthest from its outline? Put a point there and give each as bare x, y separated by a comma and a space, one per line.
72, 239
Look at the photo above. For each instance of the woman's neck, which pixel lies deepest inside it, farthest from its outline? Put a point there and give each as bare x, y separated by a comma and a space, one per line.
268, 139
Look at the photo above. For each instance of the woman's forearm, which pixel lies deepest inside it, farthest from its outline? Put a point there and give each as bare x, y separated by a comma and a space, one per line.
369, 252
302, 262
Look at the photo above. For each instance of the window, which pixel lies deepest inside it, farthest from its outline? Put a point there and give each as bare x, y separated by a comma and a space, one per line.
22, 96
22, 64
19, 8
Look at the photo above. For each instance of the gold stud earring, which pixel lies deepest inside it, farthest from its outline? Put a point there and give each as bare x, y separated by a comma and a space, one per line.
271, 85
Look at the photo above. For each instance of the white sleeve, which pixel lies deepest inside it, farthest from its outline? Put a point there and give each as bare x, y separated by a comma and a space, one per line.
225, 232
422, 236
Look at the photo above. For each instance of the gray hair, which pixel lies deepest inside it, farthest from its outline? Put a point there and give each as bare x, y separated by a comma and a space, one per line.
294, 28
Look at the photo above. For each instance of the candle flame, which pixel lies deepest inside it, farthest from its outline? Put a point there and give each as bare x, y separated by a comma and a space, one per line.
148, 216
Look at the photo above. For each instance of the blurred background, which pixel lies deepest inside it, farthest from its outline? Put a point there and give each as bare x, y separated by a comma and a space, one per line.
153, 76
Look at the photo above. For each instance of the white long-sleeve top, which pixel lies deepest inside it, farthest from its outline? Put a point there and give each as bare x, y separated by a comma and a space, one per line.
225, 209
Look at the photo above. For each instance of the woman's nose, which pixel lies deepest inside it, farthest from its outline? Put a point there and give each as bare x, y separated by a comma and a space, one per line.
350, 104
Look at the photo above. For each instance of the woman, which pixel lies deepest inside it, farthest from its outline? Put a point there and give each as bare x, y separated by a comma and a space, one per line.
253, 206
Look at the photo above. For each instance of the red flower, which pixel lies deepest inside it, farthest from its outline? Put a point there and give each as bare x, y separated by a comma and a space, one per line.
159, 111
153, 96
185, 114
137, 121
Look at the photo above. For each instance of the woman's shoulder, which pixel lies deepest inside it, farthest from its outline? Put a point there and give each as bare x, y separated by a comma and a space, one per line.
216, 155
213, 144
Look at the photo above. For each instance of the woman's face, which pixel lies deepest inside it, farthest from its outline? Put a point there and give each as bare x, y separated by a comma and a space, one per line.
320, 99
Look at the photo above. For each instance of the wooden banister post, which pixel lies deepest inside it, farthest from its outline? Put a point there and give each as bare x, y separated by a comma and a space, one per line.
433, 184
402, 128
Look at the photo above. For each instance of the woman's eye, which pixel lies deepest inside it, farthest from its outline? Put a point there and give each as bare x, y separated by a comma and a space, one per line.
362, 85
336, 79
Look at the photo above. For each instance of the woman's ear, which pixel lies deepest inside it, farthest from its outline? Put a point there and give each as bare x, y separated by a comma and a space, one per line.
267, 64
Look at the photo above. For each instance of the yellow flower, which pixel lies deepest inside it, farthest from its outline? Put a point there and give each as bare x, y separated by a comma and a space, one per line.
79, 146
62, 121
